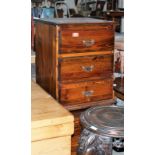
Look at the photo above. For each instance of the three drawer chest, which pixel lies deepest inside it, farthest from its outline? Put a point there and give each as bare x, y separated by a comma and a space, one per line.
74, 60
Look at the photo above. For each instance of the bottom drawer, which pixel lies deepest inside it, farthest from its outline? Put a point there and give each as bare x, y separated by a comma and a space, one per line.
89, 91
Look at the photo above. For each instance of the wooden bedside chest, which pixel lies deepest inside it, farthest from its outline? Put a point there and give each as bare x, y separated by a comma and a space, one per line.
74, 60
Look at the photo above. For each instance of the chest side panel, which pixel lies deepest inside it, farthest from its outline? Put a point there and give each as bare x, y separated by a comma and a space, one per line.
46, 57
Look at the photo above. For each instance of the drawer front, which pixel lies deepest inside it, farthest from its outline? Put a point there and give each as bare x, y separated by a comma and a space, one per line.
78, 68
82, 38
85, 91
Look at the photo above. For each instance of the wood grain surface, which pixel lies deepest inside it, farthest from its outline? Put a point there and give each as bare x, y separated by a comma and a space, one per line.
68, 54
51, 125
77, 131
54, 146
77, 106
45, 59
88, 91
52, 131
78, 68
101, 34
46, 111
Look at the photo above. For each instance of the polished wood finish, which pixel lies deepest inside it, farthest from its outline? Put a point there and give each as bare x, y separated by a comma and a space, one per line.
89, 91
51, 125
115, 14
75, 57
77, 131
119, 88
46, 40
78, 106
78, 68
83, 54
100, 40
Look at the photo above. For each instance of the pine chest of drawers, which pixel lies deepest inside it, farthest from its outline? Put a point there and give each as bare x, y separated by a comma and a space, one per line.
74, 60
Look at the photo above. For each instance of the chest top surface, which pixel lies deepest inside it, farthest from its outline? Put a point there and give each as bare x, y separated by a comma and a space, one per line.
62, 21
46, 110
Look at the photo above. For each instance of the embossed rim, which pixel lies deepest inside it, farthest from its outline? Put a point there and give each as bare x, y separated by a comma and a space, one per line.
106, 131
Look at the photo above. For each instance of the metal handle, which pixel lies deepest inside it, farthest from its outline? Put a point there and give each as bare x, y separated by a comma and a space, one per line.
88, 93
88, 68
88, 43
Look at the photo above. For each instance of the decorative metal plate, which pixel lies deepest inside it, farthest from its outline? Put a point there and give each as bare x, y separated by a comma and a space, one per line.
106, 120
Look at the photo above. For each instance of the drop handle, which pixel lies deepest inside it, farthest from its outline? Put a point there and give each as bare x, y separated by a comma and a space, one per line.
88, 93
88, 68
88, 43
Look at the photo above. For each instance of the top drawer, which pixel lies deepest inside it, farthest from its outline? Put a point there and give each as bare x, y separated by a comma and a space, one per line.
86, 38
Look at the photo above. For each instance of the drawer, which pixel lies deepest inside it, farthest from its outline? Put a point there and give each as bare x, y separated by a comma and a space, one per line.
81, 92
86, 38
77, 68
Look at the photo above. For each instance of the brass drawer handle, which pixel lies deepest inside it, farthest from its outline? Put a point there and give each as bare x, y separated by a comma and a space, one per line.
88, 43
88, 93
88, 68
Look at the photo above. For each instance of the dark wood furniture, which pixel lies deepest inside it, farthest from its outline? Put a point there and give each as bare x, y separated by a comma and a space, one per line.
115, 16
74, 60
77, 131
119, 87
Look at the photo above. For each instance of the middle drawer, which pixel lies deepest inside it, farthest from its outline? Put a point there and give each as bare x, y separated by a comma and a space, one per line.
78, 68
